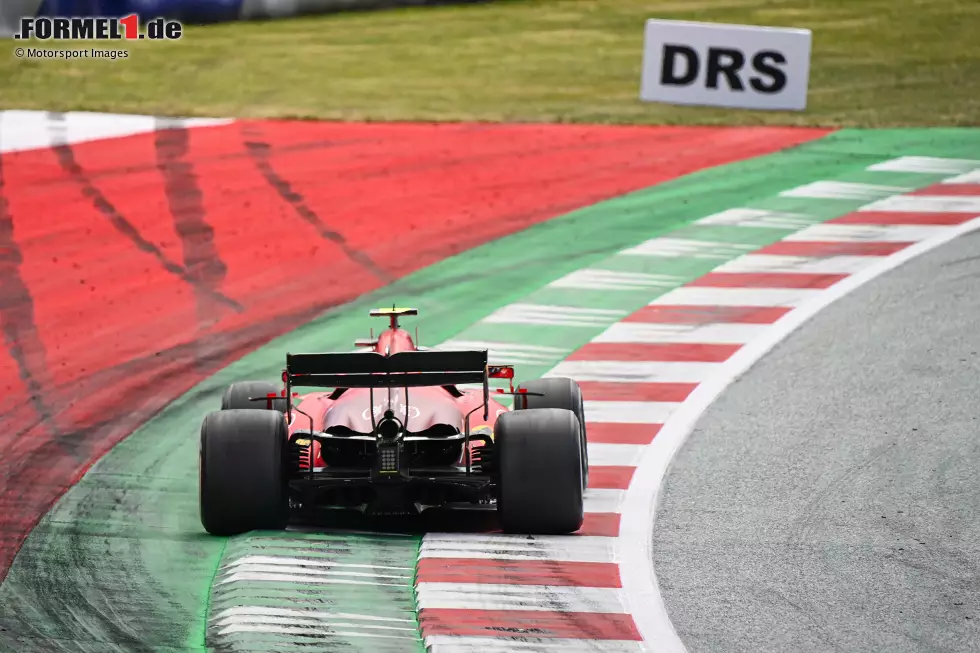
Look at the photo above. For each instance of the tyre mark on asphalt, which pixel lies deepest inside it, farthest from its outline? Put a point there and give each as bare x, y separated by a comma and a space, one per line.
19, 327
812, 516
259, 151
66, 158
186, 202
41, 476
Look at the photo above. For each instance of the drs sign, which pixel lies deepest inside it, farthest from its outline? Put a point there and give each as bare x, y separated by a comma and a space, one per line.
735, 66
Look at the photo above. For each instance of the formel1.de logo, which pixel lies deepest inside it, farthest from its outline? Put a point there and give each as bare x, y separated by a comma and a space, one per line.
62, 28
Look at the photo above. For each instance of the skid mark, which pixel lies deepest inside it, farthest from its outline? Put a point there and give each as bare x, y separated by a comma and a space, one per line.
66, 158
259, 151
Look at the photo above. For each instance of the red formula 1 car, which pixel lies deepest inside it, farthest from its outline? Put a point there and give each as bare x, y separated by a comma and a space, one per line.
394, 435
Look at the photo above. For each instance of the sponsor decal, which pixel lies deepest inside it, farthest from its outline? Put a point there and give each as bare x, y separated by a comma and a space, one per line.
403, 410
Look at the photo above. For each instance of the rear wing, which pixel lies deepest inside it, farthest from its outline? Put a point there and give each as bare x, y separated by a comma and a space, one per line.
374, 370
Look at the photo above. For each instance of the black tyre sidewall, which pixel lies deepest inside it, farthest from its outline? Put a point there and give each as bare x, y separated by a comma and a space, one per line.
559, 392
242, 472
539, 472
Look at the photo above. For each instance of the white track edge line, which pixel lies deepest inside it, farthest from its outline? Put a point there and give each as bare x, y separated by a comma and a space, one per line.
641, 591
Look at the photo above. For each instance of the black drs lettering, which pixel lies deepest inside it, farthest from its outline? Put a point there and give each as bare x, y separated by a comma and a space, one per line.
761, 62
688, 58
724, 69
727, 62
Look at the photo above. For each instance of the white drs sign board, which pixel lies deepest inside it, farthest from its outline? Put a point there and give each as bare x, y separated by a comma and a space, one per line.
736, 66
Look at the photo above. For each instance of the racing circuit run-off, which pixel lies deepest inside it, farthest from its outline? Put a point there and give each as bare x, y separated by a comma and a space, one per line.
696, 299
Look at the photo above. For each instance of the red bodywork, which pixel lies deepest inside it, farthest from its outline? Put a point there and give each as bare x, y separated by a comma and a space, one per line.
425, 408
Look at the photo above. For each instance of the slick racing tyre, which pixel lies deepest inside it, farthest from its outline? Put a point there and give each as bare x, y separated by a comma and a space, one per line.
539, 472
237, 396
559, 392
242, 472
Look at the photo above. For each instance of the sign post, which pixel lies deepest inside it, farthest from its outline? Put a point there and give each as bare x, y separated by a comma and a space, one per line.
718, 65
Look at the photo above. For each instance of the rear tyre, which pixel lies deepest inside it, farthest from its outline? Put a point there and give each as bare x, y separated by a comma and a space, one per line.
539, 472
237, 396
559, 392
242, 472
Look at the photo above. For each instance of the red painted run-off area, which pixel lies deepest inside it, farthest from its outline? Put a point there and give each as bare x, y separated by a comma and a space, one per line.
133, 268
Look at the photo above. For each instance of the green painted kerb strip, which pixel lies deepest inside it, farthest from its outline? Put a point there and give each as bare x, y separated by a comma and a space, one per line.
121, 562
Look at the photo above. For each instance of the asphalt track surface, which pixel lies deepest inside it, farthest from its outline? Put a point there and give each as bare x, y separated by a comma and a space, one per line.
828, 500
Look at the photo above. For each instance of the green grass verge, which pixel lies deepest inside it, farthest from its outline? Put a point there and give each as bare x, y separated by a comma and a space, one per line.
875, 63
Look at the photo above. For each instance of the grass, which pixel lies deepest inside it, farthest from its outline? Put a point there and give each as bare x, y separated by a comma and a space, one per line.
875, 63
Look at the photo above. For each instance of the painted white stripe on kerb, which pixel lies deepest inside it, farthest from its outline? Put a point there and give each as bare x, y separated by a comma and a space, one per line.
867, 233
709, 334
553, 315
629, 412
324, 626
550, 309
285, 545
760, 218
615, 455
603, 500
695, 296
805, 264
522, 644
505, 352
587, 548
486, 344
249, 610
304, 630
589, 279
968, 178
640, 587
927, 204
545, 598
303, 578
926, 165
686, 247
315, 562
842, 190
314, 572
634, 371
